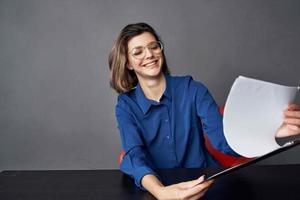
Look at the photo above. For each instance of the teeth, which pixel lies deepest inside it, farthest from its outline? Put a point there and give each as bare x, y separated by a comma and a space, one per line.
150, 64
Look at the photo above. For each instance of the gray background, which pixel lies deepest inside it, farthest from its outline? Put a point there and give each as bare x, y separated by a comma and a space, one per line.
56, 107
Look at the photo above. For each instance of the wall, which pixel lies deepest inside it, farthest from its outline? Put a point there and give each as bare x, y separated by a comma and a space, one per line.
57, 110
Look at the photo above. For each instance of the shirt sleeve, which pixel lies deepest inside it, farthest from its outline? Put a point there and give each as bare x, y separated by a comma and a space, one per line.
136, 162
212, 121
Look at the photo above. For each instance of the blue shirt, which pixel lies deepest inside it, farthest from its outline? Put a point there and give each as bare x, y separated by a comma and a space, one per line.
169, 133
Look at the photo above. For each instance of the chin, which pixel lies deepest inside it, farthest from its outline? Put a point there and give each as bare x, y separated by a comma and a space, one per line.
155, 71
156, 74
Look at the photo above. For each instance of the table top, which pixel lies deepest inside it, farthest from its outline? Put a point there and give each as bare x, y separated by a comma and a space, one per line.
254, 182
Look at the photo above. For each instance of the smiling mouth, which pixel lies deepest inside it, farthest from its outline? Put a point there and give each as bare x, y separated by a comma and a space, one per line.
150, 64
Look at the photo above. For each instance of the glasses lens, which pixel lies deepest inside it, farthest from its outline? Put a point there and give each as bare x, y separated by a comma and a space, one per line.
155, 47
140, 52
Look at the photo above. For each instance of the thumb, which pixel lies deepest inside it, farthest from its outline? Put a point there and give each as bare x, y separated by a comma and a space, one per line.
201, 178
293, 127
190, 184
292, 106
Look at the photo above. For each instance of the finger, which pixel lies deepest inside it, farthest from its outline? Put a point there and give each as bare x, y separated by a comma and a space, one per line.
293, 114
199, 188
208, 183
199, 195
292, 121
292, 106
201, 178
190, 184
294, 128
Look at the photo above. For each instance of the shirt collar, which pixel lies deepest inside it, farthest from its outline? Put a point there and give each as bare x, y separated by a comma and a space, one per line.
145, 103
167, 92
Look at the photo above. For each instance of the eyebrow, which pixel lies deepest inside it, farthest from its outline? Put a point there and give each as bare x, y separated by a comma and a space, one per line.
142, 46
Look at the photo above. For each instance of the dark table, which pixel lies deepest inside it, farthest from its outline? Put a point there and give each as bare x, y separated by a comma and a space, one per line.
254, 182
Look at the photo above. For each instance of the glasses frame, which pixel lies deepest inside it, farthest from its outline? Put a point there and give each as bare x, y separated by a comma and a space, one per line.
147, 46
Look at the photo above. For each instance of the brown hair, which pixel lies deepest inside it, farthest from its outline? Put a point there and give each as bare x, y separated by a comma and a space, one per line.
121, 78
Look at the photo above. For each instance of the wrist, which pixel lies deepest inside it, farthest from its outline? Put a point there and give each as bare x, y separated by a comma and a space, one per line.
159, 191
153, 185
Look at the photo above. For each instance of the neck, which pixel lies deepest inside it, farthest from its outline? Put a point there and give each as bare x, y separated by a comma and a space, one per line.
154, 88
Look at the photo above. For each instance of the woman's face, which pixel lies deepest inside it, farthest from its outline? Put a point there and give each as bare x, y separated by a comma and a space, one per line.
145, 56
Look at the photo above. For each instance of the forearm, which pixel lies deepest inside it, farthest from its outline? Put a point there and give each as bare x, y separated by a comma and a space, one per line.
153, 185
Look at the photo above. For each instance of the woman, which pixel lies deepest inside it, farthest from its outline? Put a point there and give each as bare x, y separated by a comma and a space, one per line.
162, 118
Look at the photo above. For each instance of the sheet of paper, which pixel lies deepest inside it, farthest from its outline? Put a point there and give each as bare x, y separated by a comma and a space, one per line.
253, 113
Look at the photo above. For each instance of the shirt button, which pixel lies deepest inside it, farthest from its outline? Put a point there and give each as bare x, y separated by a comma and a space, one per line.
168, 137
166, 120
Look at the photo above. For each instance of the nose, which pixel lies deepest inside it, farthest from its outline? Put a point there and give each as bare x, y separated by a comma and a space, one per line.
148, 53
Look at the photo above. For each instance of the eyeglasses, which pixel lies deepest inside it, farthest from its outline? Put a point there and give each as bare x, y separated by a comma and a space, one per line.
140, 52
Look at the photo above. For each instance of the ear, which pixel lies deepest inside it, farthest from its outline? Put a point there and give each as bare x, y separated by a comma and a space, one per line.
129, 67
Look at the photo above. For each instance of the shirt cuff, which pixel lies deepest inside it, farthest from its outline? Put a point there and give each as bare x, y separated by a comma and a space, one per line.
140, 173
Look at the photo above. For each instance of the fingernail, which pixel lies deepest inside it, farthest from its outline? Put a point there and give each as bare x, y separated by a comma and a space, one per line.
202, 177
293, 127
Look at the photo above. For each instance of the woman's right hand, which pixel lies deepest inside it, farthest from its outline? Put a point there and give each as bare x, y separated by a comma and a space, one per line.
189, 190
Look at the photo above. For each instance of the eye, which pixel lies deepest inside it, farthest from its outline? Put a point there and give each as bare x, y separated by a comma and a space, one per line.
154, 46
137, 51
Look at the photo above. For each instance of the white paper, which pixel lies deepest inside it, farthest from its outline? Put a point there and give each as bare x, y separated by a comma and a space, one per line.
253, 113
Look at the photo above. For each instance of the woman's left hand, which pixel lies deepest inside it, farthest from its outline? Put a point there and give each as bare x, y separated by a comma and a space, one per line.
291, 123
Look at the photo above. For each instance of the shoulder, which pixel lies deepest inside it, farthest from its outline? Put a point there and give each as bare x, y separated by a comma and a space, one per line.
187, 82
126, 99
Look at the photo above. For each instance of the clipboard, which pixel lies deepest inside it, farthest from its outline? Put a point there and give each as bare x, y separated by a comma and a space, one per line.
283, 148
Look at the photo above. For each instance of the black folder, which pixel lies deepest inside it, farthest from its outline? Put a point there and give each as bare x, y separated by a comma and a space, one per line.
285, 147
